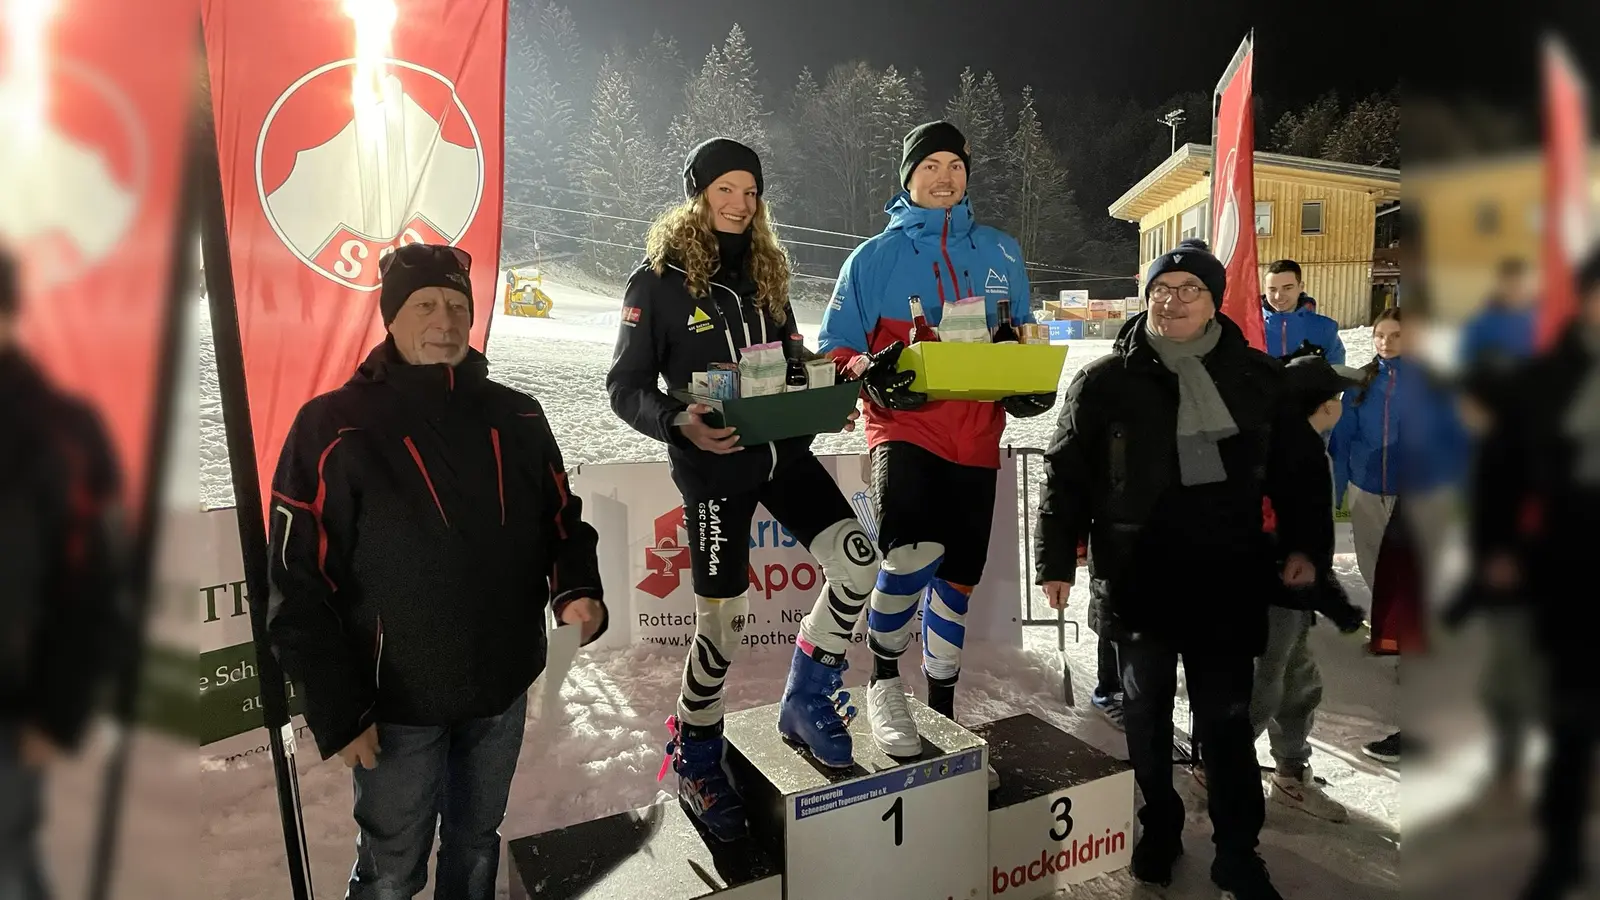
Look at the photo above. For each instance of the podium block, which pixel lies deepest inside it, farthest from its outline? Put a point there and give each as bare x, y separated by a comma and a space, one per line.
1063, 813
655, 853
887, 829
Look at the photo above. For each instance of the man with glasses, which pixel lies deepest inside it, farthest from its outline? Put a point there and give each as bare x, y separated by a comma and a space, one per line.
421, 521
1163, 453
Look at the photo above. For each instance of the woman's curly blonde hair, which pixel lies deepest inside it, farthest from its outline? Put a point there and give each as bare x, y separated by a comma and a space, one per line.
683, 237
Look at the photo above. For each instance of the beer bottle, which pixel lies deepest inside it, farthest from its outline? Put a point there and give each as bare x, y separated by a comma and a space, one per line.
1004, 333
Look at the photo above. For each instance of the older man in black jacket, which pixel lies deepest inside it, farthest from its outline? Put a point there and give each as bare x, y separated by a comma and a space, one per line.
1164, 454
421, 522
59, 623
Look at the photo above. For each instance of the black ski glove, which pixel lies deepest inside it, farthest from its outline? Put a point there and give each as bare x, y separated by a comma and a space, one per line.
1025, 406
889, 388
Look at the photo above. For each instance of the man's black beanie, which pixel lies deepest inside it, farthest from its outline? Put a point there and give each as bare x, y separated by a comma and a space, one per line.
926, 140
416, 266
1192, 256
716, 158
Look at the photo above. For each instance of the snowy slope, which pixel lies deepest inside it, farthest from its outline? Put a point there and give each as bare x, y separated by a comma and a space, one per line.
600, 752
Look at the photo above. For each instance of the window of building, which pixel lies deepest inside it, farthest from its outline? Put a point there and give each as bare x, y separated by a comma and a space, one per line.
1263, 218
1488, 217
1155, 242
1192, 223
1311, 217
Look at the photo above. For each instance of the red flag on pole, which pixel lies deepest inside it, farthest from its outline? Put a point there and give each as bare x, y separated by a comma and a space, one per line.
97, 102
345, 130
1233, 194
1566, 208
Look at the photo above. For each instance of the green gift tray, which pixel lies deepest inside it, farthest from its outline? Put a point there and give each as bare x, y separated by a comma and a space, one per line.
963, 371
761, 420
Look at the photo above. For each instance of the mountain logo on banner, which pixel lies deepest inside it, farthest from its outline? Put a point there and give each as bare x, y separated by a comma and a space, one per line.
343, 188
75, 187
666, 557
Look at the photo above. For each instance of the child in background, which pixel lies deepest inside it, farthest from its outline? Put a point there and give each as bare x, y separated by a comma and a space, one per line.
1288, 687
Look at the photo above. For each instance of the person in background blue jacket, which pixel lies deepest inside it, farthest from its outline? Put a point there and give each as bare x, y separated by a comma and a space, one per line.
1504, 327
1291, 316
1399, 431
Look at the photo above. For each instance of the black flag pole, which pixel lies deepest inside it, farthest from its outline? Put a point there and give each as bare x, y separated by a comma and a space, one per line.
248, 503
139, 574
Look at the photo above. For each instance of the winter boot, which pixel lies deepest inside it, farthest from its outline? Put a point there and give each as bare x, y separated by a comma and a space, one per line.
815, 711
892, 725
1243, 877
704, 788
1154, 856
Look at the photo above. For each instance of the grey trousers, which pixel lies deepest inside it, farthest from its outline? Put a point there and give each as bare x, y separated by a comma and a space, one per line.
1288, 687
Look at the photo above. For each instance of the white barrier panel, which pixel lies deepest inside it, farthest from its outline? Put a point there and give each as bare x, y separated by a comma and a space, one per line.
644, 566
644, 559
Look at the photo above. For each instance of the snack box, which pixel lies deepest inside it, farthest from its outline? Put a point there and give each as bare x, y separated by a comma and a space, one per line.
760, 420
963, 371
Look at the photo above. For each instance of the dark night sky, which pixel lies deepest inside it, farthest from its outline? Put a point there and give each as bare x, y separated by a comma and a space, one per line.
1142, 49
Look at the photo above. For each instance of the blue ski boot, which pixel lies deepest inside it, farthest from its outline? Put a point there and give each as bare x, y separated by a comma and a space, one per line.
815, 712
704, 788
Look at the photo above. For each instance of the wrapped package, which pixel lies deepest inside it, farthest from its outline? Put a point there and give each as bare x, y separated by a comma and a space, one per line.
763, 370
821, 373
723, 381
965, 321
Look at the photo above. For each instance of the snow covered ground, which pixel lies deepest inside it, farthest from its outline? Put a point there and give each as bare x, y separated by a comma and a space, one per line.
599, 752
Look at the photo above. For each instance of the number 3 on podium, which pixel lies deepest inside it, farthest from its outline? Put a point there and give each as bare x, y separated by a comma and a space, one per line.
897, 812
1062, 807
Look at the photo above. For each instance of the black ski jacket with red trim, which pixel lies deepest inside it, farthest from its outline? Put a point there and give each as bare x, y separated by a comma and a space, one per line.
420, 522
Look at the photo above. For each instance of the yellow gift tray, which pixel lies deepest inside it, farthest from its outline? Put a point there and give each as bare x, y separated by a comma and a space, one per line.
971, 371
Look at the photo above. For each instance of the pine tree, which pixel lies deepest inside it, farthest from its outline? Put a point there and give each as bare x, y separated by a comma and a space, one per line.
980, 112
1042, 217
1304, 132
897, 113
843, 138
658, 76
1369, 134
543, 62
722, 100
618, 171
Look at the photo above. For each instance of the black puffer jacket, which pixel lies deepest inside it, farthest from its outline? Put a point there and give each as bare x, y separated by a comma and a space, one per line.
1190, 564
1529, 501
667, 334
420, 521
61, 626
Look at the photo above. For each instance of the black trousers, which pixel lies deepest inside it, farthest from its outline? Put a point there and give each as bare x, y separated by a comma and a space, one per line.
1219, 694
1569, 771
1108, 671
802, 496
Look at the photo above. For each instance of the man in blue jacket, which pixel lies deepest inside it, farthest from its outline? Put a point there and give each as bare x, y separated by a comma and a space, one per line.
934, 462
1291, 316
1504, 327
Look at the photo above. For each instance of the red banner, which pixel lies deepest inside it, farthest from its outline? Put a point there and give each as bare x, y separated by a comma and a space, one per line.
97, 100
1233, 195
1566, 205
346, 128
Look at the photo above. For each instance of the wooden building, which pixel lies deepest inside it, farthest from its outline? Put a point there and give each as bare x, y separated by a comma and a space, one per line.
1474, 213
1317, 213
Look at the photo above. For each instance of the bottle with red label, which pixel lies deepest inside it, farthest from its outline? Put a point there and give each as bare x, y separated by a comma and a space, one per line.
921, 331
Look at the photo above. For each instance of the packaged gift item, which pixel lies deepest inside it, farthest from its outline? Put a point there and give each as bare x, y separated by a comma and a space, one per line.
965, 322
699, 385
821, 373
723, 381
763, 370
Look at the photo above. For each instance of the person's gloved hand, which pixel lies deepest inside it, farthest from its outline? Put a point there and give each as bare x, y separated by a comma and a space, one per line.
1024, 406
888, 387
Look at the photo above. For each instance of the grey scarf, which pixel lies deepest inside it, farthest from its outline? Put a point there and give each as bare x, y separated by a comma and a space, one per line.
1203, 419
1582, 422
